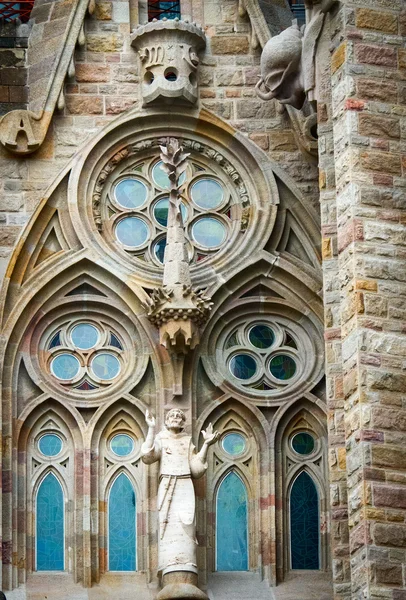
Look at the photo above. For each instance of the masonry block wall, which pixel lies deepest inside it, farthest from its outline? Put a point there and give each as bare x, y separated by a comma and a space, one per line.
365, 242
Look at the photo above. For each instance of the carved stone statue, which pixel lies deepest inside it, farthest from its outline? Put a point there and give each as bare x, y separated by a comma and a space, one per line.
179, 463
288, 61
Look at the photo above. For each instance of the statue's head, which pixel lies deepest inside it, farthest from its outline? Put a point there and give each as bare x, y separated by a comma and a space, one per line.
175, 420
281, 73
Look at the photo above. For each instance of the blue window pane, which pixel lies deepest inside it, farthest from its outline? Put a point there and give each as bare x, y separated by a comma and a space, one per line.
243, 366
303, 443
131, 193
50, 444
159, 249
161, 210
232, 525
122, 556
122, 444
65, 366
161, 179
304, 523
209, 232
282, 367
207, 194
84, 336
105, 366
233, 444
50, 525
132, 232
261, 336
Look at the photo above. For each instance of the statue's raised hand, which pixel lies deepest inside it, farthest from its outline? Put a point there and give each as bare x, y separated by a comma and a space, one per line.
209, 436
149, 419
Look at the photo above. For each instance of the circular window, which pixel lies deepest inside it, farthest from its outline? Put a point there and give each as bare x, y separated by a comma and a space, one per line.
207, 194
303, 443
122, 444
105, 366
130, 193
282, 367
261, 336
84, 336
161, 179
50, 444
132, 232
65, 366
234, 444
243, 366
161, 209
159, 249
209, 232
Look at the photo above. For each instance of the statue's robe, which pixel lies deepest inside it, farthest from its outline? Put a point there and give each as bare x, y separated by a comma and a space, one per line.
179, 463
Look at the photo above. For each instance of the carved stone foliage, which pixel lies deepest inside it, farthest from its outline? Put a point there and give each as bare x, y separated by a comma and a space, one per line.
168, 52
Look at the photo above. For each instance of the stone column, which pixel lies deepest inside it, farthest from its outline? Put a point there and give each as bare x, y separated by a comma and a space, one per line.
369, 118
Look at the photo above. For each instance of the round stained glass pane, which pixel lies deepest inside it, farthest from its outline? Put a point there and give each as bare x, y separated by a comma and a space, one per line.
303, 443
84, 336
209, 232
161, 211
261, 336
282, 367
234, 444
243, 366
122, 444
132, 232
65, 366
131, 193
105, 366
50, 444
161, 178
159, 249
207, 194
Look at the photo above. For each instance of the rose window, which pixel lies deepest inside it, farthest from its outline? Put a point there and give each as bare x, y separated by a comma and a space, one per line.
262, 355
134, 208
85, 355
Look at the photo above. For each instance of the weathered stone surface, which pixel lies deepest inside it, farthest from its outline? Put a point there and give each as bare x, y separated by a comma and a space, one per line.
387, 456
103, 11
373, 19
381, 161
229, 44
376, 55
378, 125
390, 535
86, 105
106, 42
88, 72
394, 497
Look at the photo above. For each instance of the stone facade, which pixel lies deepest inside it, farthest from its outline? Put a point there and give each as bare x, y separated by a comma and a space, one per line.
315, 249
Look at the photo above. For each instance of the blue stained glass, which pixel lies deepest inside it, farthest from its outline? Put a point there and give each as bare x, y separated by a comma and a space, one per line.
122, 554
209, 232
122, 444
207, 193
303, 443
304, 523
261, 336
131, 193
161, 178
161, 210
282, 367
50, 444
105, 366
232, 525
50, 525
243, 366
233, 444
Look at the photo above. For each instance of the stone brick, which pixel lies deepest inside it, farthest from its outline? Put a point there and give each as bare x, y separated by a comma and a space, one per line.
12, 57
90, 73
4, 93
402, 59
13, 76
373, 19
103, 11
338, 57
376, 55
394, 497
378, 125
261, 140
84, 105
390, 535
229, 77
106, 42
283, 141
18, 93
255, 109
229, 44
381, 161
115, 106
388, 574
9, 234
370, 90
388, 456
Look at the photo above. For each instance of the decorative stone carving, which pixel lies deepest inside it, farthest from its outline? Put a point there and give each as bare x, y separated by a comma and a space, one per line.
288, 61
179, 463
168, 50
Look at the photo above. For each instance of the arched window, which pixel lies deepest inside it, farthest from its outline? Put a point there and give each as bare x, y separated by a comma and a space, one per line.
304, 523
50, 525
122, 517
232, 525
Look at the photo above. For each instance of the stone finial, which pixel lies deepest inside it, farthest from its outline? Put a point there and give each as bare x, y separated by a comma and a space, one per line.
168, 51
175, 308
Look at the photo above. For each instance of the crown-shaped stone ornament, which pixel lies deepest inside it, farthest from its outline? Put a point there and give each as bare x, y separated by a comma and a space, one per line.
176, 308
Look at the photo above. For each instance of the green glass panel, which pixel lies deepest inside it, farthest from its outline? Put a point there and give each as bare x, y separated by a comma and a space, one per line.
50, 525
122, 535
261, 336
105, 366
131, 193
132, 232
50, 444
84, 336
159, 249
303, 443
243, 366
207, 193
161, 209
209, 232
232, 525
304, 523
65, 366
234, 444
122, 444
282, 367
